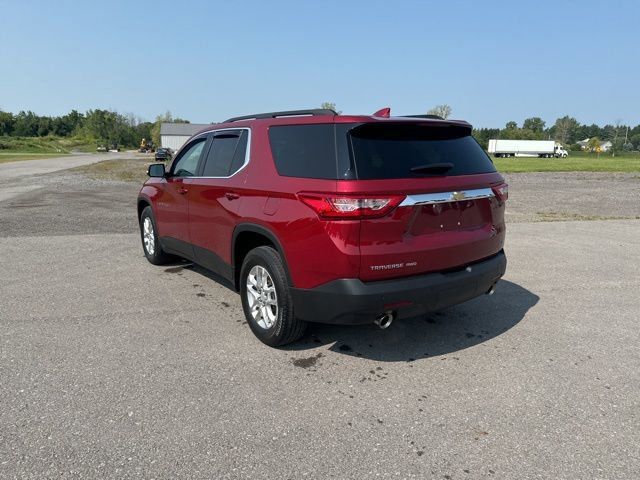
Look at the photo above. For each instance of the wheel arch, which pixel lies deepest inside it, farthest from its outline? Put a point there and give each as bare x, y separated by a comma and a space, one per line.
143, 202
247, 236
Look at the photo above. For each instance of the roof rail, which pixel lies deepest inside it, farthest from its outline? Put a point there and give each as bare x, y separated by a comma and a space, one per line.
424, 115
289, 113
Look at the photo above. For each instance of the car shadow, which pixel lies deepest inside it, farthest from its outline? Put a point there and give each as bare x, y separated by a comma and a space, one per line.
179, 264
435, 334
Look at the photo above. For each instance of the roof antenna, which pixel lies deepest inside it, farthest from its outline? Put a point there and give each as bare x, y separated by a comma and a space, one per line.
383, 113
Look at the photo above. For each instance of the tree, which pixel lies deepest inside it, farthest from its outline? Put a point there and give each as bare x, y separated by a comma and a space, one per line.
26, 124
330, 106
593, 145
615, 136
443, 111
7, 122
108, 128
535, 124
483, 135
143, 130
565, 129
511, 125
160, 119
68, 124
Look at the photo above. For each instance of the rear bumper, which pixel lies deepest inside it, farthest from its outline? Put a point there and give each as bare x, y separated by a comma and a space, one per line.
351, 301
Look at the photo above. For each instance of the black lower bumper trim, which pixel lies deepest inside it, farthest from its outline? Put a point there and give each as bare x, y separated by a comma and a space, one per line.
351, 301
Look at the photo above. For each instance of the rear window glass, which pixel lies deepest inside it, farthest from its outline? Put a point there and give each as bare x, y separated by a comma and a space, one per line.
407, 151
220, 156
226, 154
240, 153
307, 151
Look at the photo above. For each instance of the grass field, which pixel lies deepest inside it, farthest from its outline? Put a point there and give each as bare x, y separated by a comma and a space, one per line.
48, 144
17, 156
576, 162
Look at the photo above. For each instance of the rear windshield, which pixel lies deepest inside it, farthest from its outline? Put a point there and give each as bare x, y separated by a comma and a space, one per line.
376, 151
407, 151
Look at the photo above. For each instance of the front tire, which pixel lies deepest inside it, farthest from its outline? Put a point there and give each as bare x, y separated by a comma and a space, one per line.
150, 241
266, 299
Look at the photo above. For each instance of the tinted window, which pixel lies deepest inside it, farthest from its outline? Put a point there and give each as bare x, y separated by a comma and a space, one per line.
220, 155
187, 164
307, 151
391, 151
227, 154
240, 154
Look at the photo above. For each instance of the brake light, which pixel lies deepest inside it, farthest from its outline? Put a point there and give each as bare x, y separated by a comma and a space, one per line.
502, 192
351, 206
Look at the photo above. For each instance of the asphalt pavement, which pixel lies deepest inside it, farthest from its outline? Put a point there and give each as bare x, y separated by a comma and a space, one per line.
112, 367
21, 176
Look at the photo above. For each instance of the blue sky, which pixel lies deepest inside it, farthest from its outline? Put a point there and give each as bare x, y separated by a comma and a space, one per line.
206, 60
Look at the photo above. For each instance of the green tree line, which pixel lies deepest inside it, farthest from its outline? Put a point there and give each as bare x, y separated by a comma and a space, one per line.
105, 127
567, 131
110, 128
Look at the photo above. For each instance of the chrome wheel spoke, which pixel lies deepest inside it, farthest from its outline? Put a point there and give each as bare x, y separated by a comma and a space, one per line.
254, 293
148, 236
262, 297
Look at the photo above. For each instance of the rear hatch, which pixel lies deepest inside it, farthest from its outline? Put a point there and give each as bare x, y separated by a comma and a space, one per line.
451, 199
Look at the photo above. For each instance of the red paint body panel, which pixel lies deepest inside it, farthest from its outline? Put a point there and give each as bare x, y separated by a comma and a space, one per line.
213, 214
434, 237
424, 239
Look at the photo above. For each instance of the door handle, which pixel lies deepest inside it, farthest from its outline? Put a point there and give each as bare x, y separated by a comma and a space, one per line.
232, 195
183, 191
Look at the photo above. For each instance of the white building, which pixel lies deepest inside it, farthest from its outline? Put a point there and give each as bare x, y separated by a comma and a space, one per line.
605, 146
173, 135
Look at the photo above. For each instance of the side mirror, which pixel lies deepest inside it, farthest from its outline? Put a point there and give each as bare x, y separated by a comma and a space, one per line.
156, 170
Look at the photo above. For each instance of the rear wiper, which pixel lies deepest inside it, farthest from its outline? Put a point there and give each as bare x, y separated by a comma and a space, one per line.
432, 168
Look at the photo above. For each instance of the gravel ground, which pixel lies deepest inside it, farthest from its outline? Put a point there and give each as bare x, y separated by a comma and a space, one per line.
69, 202
111, 367
66, 203
535, 197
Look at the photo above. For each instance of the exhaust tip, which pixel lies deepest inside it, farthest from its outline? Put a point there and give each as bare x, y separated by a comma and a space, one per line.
491, 290
385, 320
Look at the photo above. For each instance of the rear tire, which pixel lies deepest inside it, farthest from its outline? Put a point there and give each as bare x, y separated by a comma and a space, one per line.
266, 298
150, 242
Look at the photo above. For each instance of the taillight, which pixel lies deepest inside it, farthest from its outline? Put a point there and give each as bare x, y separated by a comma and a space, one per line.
351, 206
502, 192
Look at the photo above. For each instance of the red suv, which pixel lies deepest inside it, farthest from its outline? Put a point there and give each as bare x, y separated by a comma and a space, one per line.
320, 217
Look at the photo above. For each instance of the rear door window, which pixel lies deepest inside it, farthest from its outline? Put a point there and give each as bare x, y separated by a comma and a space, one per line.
226, 154
409, 151
240, 155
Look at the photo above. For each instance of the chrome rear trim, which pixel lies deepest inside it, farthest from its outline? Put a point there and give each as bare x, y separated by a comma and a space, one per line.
446, 197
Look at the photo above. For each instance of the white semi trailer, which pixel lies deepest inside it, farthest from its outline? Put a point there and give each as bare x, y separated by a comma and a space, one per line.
526, 148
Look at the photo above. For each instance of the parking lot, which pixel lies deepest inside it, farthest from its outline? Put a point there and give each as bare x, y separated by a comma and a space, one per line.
112, 367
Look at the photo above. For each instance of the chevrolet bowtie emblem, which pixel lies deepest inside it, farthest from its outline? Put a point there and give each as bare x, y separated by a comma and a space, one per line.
458, 196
